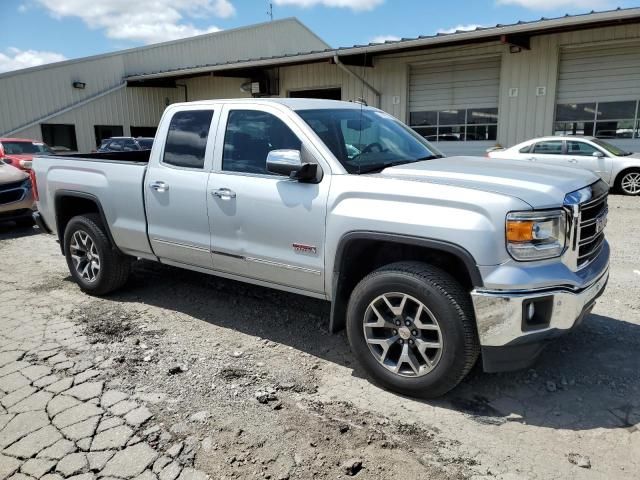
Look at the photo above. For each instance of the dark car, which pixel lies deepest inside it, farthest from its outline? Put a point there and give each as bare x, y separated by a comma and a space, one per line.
125, 144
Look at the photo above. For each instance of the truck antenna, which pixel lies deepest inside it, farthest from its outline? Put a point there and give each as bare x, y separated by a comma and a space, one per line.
270, 11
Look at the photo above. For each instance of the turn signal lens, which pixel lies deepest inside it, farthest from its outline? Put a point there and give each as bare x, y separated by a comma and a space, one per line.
519, 231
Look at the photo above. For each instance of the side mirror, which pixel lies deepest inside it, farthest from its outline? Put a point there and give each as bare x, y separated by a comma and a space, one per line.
289, 163
598, 154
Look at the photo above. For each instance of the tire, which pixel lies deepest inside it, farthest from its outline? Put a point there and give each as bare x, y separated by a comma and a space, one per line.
113, 267
628, 182
448, 308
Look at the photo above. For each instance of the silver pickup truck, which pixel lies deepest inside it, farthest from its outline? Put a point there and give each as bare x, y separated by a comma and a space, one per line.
428, 262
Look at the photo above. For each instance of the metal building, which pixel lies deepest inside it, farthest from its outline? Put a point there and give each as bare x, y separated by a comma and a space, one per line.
466, 90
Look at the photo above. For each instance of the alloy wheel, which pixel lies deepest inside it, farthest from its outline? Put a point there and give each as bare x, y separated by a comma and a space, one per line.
403, 334
630, 183
85, 256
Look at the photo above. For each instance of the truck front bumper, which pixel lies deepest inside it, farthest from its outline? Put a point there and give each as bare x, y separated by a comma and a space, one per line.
514, 326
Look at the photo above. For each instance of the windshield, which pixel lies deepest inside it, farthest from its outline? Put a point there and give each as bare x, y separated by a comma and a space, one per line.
366, 140
612, 149
145, 143
25, 148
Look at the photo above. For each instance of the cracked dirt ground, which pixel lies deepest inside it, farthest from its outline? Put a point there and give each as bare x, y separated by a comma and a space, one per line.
182, 376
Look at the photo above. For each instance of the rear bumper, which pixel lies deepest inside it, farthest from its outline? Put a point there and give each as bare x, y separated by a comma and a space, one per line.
42, 225
512, 338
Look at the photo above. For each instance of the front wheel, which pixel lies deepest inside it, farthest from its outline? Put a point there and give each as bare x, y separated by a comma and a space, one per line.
629, 182
411, 326
93, 262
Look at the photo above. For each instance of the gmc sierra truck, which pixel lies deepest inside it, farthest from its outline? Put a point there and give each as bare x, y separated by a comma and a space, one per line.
428, 262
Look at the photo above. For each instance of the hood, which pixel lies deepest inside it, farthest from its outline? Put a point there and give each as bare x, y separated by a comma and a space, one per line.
9, 174
541, 186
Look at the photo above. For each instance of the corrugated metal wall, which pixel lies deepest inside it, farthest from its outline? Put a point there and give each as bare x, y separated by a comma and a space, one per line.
28, 96
524, 112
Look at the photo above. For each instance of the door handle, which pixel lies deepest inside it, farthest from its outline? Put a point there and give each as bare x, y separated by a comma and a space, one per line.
159, 186
532, 159
573, 160
224, 193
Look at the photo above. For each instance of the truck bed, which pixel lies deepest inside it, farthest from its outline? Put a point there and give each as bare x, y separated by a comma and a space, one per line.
113, 181
135, 156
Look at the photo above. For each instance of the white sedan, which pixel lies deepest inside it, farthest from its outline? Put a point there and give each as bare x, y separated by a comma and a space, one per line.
618, 168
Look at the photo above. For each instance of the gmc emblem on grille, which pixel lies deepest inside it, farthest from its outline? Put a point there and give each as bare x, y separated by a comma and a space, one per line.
302, 248
601, 222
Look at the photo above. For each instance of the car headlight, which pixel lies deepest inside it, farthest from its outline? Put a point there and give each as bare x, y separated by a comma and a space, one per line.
536, 235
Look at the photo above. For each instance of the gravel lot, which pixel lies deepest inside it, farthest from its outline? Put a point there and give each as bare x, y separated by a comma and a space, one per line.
183, 375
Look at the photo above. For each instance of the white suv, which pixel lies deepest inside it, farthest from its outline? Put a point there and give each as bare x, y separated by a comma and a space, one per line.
618, 168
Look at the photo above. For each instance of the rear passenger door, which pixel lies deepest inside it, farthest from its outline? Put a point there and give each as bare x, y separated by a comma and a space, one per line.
176, 188
550, 152
265, 226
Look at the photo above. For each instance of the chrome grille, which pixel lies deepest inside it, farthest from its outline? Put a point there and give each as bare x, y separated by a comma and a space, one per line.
593, 218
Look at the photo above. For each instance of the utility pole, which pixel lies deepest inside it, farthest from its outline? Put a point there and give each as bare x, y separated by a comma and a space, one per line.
270, 12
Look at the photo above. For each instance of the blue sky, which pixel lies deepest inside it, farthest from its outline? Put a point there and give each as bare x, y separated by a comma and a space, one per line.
41, 31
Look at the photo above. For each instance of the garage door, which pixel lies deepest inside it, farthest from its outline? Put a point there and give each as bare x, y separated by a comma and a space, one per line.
456, 103
599, 74
598, 93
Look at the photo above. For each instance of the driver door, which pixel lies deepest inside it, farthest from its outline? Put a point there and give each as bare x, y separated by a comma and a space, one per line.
265, 226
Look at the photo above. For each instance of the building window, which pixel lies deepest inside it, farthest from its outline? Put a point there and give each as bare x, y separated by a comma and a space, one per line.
599, 119
59, 136
456, 124
103, 132
187, 138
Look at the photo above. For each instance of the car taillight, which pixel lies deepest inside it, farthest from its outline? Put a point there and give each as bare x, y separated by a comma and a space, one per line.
32, 174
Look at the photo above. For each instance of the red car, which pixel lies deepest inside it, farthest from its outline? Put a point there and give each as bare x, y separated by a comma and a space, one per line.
20, 151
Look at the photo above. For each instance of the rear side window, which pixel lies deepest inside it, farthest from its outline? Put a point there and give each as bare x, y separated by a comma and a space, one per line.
552, 147
187, 138
526, 149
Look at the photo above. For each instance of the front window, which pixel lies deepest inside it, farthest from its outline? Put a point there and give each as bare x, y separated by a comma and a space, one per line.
365, 140
25, 148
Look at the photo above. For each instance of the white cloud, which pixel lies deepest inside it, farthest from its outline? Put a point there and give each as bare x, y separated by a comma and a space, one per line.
557, 4
356, 5
464, 28
15, 59
384, 38
145, 21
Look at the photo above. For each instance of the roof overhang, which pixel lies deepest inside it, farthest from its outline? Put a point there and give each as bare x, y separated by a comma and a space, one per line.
517, 34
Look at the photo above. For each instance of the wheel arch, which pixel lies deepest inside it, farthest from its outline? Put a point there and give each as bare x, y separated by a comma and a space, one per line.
618, 179
70, 203
379, 249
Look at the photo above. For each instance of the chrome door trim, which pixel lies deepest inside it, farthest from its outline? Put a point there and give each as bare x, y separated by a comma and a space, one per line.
178, 244
270, 263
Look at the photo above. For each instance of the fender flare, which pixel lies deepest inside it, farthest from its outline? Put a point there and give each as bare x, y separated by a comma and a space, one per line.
339, 300
87, 196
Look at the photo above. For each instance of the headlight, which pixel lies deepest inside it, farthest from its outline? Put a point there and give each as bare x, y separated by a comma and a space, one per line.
536, 235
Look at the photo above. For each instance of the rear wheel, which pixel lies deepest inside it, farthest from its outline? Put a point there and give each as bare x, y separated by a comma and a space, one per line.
628, 182
411, 326
96, 266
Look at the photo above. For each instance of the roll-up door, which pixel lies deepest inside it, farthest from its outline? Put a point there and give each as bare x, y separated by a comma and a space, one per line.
455, 103
607, 73
599, 93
